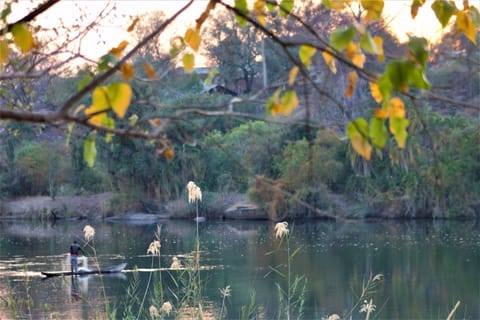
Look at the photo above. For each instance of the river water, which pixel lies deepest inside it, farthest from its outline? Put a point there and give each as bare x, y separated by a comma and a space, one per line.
427, 266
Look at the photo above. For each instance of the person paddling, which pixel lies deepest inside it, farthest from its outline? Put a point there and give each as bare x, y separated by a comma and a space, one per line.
74, 251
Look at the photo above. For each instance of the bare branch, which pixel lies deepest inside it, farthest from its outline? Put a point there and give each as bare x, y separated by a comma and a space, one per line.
104, 76
32, 15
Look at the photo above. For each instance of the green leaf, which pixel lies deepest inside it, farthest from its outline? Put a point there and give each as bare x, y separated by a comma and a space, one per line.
306, 53
378, 132
385, 87
89, 151
444, 9
177, 44
398, 73
241, 5
475, 16
358, 126
338, 5
6, 12
287, 6
84, 81
110, 124
212, 73
418, 50
367, 43
418, 79
341, 38
398, 128
270, 6
22, 37
106, 61
69, 133
289, 102
188, 62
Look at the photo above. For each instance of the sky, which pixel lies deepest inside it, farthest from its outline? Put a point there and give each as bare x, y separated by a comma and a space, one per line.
113, 30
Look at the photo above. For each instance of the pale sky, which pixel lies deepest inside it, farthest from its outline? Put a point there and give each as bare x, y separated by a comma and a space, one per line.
425, 24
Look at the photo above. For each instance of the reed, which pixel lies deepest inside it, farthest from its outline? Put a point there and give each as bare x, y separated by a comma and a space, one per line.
89, 241
225, 292
291, 295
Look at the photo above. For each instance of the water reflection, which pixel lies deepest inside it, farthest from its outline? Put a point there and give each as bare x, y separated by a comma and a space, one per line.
428, 266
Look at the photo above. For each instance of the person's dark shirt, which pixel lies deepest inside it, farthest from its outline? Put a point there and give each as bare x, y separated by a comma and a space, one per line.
75, 249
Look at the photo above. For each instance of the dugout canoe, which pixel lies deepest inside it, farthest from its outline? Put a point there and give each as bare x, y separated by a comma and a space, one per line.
112, 269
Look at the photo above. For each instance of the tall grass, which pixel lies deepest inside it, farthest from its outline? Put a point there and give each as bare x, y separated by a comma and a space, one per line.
291, 295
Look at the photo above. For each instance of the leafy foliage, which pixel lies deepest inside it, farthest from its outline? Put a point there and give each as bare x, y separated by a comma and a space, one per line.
326, 65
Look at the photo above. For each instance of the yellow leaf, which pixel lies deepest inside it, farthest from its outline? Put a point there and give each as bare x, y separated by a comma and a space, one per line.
380, 113
205, 14
416, 4
99, 100
379, 43
361, 146
357, 131
4, 53
169, 154
132, 25
396, 108
119, 96
354, 53
276, 109
352, 82
375, 92
188, 62
259, 8
330, 61
23, 37
273, 104
338, 4
128, 71
374, 9
99, 107
292, 75
118, 50
192, 38
306, 52
398, 127
149, 71
289, 102
465, 25
96, 119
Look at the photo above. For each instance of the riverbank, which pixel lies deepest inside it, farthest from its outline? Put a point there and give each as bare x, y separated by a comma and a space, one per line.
103, 206
43, 207
215, 206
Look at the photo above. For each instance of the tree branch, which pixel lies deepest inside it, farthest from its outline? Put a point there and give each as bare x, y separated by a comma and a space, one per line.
104, 76
32, 15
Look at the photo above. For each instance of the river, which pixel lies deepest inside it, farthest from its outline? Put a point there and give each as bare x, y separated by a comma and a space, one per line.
426, 267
